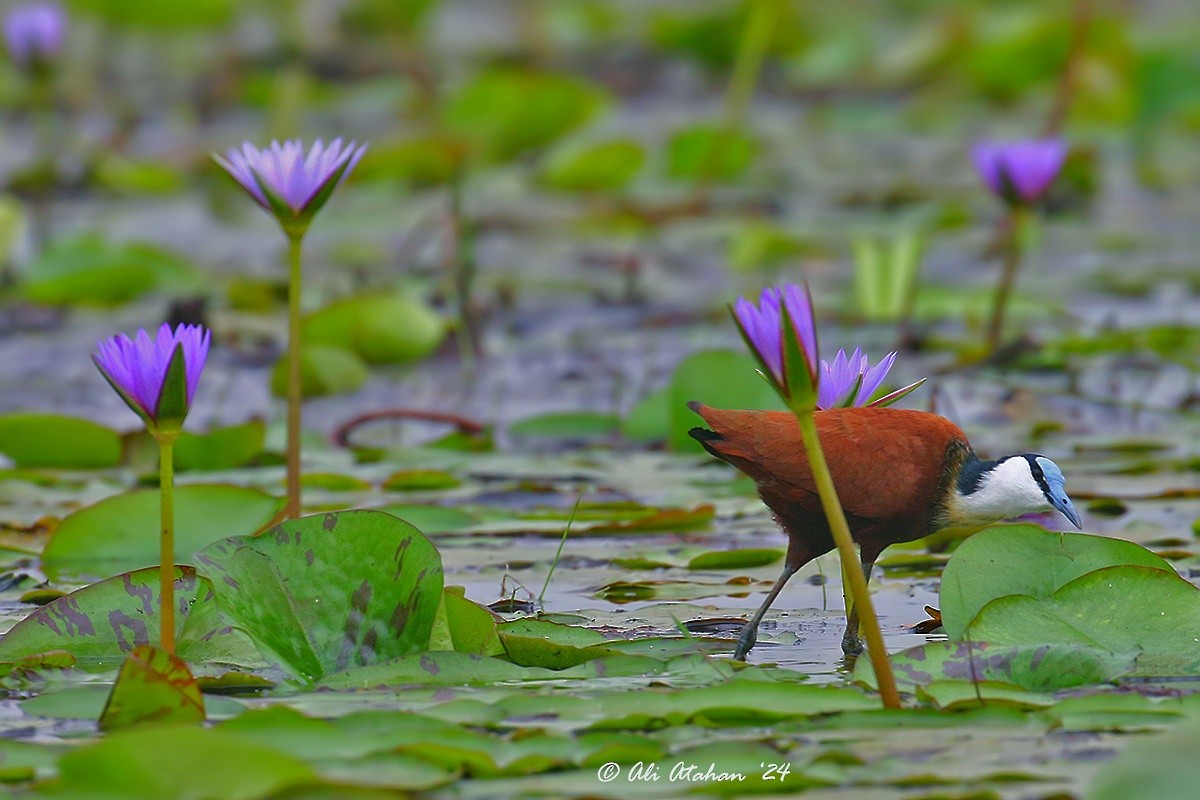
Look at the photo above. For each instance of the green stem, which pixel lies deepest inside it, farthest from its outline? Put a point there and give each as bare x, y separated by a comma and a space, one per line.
292, 508
470, 346
1008, 276
752, 49
851, 571
166, 558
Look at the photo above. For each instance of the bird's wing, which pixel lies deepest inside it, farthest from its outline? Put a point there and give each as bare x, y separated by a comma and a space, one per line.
886, 463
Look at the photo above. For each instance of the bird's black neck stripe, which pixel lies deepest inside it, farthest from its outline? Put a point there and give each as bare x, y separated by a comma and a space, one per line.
970, 475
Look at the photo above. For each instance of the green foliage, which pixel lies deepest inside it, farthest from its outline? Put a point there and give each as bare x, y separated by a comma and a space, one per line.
388, 328
419, 162
220, 448
401, 17
505, 112
885, 276
121, 532
328, 592
1025, 560
1163, 767
160, 14
719, 378
101, 623
324, 370
604, 166
36, 440
177, 761
153, 686
760, 245
87, 270
1036, 667
1124, 609
707, 153
712, 38
570, 425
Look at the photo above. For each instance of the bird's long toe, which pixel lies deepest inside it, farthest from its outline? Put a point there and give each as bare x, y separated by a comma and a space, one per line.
851, 644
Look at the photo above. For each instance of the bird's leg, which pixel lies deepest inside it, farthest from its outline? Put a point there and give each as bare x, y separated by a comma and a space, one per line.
798, 554
851, 644
749, 634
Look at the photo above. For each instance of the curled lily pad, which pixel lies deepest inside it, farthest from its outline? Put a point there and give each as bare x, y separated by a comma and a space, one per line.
33, 439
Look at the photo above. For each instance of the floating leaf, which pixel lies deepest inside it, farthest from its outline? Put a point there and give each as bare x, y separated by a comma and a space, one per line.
220, 448
387, 328
506, 111
535, 643
178, 761
431, 519
324, 370
99, 624
720, 378
704, 152
570, 425
650, 419
1037, 667
88, 270
330, 591
606, 166
122, 531
466, 627
152, 686
1163, 767
1027, 560
32, 439
1121, 609
419, 480
746, 558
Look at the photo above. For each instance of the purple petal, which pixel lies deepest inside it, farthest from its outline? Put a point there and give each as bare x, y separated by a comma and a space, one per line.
799, 306
761, 325
35, 32
873, 378
290, 174
139, 365
1020, 170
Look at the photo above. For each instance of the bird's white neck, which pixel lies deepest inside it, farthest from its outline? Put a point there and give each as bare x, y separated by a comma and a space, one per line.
1006, 490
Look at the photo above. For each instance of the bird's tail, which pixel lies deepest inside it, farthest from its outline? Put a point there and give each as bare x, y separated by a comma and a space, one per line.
704, 436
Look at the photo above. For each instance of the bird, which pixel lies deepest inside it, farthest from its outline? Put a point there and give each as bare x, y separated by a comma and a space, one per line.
900, 475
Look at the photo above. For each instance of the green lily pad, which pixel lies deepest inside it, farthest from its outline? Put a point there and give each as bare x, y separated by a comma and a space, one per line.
746, 558
329, 592
505, 112
88, 270
121, 532
388, 328
703, 152
101, 623
571, 425
220, 448
431, 519
1123, 609
1163, 767
178, 761
152, 686
1026, 560
32, 439
324, 370
720, 378
597, 167
1039, 668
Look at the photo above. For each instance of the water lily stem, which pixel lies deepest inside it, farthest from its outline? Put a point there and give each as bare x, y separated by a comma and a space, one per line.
1008, 276
852, 573
292, 508
166, 559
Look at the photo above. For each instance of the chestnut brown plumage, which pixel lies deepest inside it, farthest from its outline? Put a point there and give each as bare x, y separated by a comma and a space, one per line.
900, 475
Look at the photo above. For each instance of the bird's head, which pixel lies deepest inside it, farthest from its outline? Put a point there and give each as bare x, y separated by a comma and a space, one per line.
1009, 487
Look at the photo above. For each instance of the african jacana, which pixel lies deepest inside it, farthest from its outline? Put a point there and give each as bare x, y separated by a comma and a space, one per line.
900, 475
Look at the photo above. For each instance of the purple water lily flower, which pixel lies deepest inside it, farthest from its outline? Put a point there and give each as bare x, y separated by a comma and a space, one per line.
140, 369
762, 328
850, 381
287, 182
34, 33
1021, 171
